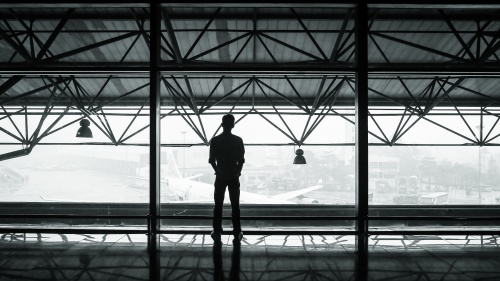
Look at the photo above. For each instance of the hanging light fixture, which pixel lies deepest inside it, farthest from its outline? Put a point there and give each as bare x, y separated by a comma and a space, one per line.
84, 131
299, 158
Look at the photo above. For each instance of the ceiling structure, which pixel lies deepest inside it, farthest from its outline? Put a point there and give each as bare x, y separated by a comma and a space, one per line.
93, 61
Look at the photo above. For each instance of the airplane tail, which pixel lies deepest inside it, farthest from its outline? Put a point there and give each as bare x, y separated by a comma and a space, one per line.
171, 169
168, 167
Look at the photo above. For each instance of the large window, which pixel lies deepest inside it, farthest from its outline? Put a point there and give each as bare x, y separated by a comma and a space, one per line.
47, 170
271, 185
432, 134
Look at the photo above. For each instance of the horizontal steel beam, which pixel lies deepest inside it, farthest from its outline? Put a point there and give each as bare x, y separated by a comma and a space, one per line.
298, 31
242, 11
58, 4
433, 232
428, 4
86, 230
183, 69
283, 231
278, 102
64, 216
435, 218
443, 69
373, 218
178, 217
183, 4
264, 144
471, 70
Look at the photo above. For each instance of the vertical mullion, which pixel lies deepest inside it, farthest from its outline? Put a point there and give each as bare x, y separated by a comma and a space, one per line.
154, 145
361, 106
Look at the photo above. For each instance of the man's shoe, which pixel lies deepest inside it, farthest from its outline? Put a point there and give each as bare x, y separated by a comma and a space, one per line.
216, 236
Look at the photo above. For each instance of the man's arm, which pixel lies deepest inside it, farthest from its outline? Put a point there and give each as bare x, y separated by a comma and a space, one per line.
240, 167
211, 158
241, 158
214, 166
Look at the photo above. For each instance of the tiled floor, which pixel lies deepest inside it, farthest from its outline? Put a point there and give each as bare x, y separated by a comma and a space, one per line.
290, 257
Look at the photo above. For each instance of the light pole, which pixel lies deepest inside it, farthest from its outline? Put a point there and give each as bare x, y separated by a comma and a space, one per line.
184, 154
480, 128
479, 175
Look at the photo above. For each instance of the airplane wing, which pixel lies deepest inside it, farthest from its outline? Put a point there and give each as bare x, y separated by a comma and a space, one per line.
147, 179
192, 177
282, 198
296, 193
245, 197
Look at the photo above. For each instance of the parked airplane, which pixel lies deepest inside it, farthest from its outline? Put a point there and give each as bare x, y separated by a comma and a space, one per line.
175, 188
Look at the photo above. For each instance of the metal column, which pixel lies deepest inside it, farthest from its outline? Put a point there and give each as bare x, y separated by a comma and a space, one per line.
361, 105
154, 145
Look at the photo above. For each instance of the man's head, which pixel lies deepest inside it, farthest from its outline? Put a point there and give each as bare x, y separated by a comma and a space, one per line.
228, 121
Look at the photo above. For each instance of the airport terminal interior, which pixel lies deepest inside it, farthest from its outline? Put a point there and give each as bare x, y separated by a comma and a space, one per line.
370, 130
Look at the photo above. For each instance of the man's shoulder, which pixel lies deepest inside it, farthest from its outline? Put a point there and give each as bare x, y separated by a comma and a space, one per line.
237, 137
226, 136
216, 137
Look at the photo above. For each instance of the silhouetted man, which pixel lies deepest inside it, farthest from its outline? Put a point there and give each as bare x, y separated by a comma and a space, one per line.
227, 157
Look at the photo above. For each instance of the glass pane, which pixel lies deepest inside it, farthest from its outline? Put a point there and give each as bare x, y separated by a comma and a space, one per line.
269, 125
433, 154
46, 169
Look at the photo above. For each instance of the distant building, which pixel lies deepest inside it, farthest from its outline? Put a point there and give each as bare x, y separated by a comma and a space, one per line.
383, 172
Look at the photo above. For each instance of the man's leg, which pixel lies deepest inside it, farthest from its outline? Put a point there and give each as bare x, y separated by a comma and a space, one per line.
219, 191
234, 196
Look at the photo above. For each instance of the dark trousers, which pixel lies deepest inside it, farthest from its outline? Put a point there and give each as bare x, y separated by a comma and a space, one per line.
233, 185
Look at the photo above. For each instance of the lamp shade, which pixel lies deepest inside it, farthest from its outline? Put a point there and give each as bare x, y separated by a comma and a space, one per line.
299, 158
84, 131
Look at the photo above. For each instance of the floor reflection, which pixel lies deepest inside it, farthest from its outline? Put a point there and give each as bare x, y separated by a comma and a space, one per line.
274, 257
25, 256
234, 273
258, 257
217, 259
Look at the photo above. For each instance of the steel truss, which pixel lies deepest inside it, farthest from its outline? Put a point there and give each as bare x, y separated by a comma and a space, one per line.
69, 97
25, 36
35, 45
438, 99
